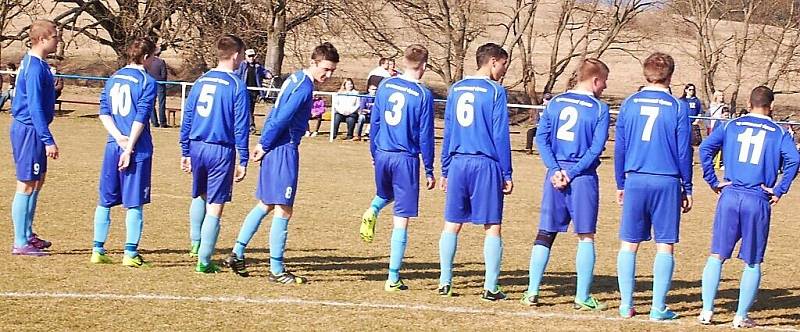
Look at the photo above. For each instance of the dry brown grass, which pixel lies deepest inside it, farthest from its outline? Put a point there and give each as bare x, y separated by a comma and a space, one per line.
335, 186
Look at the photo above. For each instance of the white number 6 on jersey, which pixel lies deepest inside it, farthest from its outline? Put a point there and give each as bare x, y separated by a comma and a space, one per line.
394, 115
465, 112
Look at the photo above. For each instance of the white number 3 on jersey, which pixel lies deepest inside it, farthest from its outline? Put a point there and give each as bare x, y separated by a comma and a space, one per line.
394, 115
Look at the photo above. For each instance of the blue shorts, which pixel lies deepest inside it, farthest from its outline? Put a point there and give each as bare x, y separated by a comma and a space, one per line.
651, 202
397, 178
212, 171
577, 203
741, 214
474, 191
277, 181
28, 150
130, 187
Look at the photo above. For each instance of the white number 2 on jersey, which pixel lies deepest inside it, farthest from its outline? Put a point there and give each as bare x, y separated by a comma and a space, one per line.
651, 112
565, 133
394, 115
207, 98
465, 112
120, 95
756, 141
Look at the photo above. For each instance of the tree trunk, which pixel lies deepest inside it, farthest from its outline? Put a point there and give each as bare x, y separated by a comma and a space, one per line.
277, 42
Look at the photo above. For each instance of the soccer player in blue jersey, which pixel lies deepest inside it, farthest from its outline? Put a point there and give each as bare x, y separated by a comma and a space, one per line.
216, 120
278, 153
653, 168
31, 140
571, 136
755, 150
125, 105
401, 131
476, 166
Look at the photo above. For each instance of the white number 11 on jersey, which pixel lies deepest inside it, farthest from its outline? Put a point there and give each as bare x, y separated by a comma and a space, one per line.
756, 141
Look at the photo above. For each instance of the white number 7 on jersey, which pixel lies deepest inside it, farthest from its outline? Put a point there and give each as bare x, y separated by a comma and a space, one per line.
652, 113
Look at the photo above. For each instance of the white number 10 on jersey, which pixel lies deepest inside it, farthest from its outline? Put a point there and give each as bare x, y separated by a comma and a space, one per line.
120, 95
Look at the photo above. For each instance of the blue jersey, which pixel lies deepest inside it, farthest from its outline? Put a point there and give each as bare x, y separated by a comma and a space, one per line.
694, 104
216, 112
754, 149
572, 133
653, 136
128, 97
35, 97
402, 120
288, 120
476, 123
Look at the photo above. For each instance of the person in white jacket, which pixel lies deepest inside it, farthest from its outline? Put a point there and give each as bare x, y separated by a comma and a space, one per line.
345, 106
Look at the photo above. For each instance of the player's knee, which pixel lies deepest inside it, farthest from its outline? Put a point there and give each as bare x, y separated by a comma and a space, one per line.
586, 237
545, 239
283, 211
26, 187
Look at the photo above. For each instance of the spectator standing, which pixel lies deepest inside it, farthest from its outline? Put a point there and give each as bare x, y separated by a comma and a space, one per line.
345, 107
12, 79
377, 74
695, 109
364, 112
715, 110
57, 81
253, 73
531, 134
317, 110
157, 67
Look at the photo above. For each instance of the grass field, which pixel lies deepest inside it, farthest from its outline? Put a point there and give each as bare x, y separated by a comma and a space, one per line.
64, 292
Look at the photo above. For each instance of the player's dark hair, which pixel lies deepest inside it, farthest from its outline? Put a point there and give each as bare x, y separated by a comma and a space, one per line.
689, 85
658, 68
325, 51
762, 97
488, 51
138, 49
383, 61
228, 45
590, 68
416, 56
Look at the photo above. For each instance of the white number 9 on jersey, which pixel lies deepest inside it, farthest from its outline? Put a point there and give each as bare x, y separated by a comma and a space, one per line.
465, 112
207, 98
120, 95
394, 115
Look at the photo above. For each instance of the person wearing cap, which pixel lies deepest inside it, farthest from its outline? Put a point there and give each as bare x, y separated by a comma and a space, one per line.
157, 67
252, 73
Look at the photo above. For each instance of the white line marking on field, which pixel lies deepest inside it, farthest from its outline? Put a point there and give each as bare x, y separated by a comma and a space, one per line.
343, 304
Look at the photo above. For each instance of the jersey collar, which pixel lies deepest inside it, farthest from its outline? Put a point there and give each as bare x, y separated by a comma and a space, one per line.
760, 116
35, 56
582, 92
305, 71
480, 77
654, 88
133, 66
410, 79
222, 70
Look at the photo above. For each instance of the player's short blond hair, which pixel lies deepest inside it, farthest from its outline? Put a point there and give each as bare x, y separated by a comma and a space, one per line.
416, 56
590, 68
658, 68
41, 29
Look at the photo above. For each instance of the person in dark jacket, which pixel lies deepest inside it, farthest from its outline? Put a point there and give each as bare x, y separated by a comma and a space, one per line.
157, 67
253, 73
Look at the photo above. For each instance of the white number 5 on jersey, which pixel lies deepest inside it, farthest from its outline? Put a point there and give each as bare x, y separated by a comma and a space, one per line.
207, 99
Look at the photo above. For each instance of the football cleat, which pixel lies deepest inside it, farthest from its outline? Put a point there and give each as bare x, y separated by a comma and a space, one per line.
705, 317
529, 299
286, 278
398, 286
591, 304
194, 250
100, 258
445, 290
490, 296
627, 312
237, 265
666, 314
40, 243
135, 261
368, 221
743, 323
206, 268
28, 250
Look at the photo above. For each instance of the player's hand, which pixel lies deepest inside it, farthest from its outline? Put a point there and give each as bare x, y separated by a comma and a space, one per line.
240, 173
620, 196
443, 184
687, 203
772, 198
51, 151
122, 141
186, 164
431, 183
258, 153
721, 185
508, 187
124, 160
557, 179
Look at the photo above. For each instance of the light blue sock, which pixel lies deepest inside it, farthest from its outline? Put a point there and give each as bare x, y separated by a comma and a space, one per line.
711, 276
584, 266
133, 231
399, 240
493, 258
447, 252
540, 255
197, 213
748, 288
19, 215
378, 204
626, 277
31, 213
663, 266
208, 239
102, 220
249, 228
277, 243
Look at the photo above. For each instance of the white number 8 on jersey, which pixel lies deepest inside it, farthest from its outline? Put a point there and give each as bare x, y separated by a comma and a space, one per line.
465, 112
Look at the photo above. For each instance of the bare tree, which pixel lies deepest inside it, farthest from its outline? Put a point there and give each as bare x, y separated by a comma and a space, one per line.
745, 36
519, 40
783, 47
11, 10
